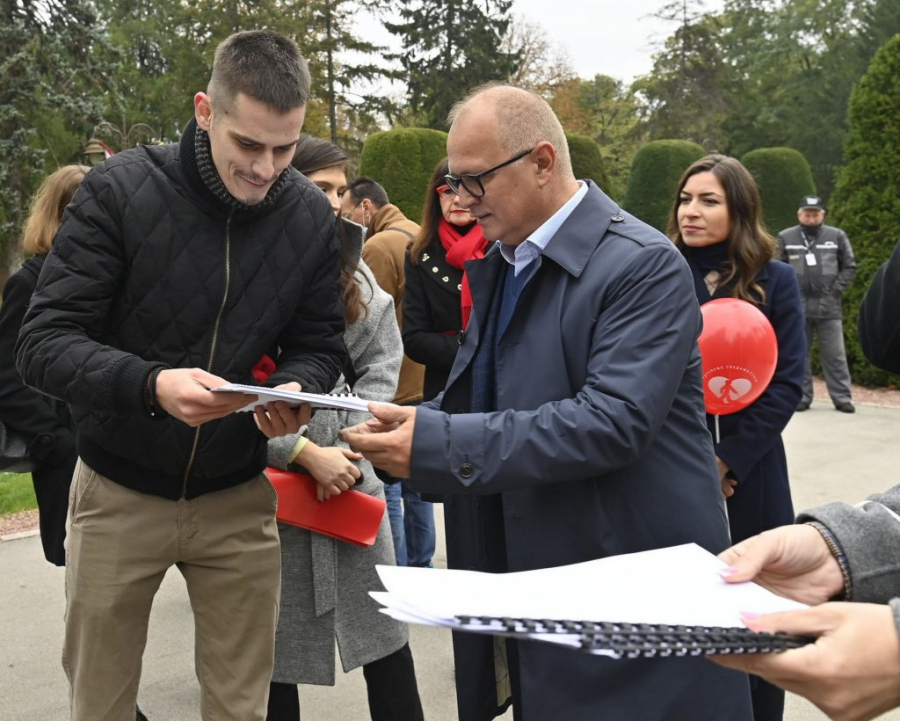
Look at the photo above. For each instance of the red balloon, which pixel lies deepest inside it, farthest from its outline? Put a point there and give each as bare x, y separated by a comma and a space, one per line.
739, 352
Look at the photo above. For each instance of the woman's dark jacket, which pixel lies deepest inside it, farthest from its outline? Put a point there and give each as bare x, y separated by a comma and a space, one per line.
44, 422
750, 440
150, 269
432, 318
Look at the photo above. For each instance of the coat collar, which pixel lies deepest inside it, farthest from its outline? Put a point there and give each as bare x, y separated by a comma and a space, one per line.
386, 217
575, 242
703, 295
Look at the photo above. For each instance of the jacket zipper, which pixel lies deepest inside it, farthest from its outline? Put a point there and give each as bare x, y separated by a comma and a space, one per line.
212, 348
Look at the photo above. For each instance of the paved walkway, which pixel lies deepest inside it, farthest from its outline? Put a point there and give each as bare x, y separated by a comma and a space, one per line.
832, 456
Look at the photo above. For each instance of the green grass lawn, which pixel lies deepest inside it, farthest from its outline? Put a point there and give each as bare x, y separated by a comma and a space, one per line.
16, 493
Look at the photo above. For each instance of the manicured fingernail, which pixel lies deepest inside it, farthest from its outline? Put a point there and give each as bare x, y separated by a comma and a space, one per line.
749, 615
729, 571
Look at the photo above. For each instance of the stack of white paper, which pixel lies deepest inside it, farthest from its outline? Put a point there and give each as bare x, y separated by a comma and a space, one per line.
678, 586
341, 401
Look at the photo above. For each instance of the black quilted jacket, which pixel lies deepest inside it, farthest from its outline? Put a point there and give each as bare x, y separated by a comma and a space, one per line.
149, 269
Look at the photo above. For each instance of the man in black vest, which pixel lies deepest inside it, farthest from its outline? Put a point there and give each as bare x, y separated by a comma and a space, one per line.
823, 260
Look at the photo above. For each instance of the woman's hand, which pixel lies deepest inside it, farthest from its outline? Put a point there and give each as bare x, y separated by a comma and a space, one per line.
852, 670
792, 561
728, 484
332, 467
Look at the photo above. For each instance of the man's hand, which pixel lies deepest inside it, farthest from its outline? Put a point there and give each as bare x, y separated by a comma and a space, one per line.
183, 393
852, 672
386, 439
278, 418
792, 561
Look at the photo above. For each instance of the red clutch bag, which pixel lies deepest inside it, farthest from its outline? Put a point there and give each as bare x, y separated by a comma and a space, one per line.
352, 516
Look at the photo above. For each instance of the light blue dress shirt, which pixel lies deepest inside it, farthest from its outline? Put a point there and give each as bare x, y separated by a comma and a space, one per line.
525, 253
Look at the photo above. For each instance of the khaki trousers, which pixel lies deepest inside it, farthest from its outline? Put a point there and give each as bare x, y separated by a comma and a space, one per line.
120, 544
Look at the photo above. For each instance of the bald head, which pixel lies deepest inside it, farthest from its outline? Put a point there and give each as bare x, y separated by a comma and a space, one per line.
510, 155
520, 120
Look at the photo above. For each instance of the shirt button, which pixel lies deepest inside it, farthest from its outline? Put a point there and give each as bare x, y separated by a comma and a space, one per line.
466, 470
617, 218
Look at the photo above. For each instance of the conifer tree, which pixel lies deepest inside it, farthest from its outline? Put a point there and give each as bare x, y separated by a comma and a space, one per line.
448, 49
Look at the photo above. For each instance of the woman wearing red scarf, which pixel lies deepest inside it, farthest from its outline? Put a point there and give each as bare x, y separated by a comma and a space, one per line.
437, 302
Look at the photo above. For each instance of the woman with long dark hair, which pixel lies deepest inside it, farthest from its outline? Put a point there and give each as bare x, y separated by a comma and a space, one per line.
325, 582
437, 302
716, 222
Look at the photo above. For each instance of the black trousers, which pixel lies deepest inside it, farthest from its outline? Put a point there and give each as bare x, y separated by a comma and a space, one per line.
390, 683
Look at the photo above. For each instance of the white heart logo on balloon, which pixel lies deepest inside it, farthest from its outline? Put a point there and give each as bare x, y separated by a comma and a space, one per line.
729, 389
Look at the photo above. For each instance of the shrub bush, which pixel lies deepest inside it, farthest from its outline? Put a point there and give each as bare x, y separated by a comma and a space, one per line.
783, 177
402, 160
655, 171
587, 162
866, 201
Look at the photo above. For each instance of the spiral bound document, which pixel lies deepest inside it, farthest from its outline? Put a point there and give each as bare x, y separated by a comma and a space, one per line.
668, 602
629, 640
341, 401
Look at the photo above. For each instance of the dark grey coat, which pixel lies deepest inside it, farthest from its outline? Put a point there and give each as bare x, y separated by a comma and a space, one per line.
600, 448
869, 535
821, 285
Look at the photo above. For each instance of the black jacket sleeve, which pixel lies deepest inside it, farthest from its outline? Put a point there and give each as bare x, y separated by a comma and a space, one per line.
22, 408
879, 317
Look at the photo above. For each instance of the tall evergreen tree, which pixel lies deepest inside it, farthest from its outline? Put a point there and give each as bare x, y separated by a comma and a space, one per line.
448, 49
324, 31
793, 65
684, 95
866, 202
52, 90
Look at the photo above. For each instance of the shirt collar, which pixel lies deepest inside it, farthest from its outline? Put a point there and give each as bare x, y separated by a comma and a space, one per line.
522, 255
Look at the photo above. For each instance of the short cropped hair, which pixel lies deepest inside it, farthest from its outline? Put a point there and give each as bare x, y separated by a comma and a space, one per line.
364, 187
262, 65
524, 119
47, 208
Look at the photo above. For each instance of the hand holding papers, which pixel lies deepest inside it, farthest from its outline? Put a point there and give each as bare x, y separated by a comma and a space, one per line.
343, 401
386, 439
677, 587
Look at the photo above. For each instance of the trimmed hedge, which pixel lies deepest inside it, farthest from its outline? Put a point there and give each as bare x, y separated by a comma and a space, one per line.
587, 161
655, 172
783, 177
402, 160
866, 201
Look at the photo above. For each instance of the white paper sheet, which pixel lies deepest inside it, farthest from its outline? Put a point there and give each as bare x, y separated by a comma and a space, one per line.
675, 586
342, 401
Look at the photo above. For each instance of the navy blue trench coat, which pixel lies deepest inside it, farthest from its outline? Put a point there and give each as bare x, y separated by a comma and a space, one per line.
750, 440
599, 448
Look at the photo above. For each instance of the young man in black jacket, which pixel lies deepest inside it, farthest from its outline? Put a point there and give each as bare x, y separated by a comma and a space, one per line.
175, 269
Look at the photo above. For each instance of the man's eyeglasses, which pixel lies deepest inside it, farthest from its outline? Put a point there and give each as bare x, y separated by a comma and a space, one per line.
472, 181
348, 213
444, 191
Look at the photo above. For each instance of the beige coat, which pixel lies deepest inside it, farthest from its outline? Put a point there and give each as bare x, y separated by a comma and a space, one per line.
390, 232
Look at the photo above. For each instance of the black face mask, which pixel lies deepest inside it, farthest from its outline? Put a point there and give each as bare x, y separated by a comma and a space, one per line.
811, 231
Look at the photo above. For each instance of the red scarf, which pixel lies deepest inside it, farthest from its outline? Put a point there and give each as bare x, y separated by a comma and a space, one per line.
461, 248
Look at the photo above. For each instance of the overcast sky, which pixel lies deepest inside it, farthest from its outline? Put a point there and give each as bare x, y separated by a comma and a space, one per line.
609, 37
612, 37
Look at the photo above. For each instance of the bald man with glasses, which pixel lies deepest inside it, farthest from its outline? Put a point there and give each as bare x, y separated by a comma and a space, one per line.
572, 426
